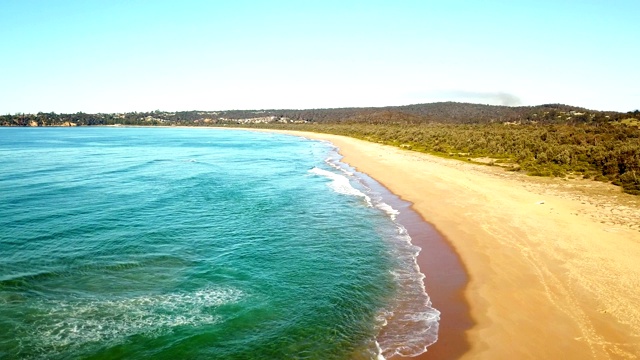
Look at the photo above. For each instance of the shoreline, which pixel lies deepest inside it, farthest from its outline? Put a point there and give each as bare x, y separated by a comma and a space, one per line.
445, 277
552, 263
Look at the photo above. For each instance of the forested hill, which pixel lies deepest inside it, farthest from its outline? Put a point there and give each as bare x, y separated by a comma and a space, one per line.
442, 112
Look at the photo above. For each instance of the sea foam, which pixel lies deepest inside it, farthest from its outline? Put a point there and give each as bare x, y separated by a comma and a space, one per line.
341, 184
411, 324
71, 323
379, 203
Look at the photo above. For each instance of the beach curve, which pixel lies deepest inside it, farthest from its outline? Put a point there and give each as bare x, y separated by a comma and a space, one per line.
552, 264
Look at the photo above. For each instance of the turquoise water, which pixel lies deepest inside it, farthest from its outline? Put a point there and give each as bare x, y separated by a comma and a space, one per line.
198, 244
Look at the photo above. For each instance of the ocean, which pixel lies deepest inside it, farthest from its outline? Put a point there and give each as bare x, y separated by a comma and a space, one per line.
185, 243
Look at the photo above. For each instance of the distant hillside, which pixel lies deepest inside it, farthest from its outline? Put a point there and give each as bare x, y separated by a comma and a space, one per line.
441, 112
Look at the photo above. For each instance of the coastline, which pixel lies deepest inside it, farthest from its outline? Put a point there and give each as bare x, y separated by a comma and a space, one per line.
445, 277
552, 264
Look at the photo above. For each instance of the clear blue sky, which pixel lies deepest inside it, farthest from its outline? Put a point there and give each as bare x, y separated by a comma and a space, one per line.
135, 55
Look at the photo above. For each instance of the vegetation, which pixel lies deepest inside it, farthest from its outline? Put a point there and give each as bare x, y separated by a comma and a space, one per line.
605, 153
546, 140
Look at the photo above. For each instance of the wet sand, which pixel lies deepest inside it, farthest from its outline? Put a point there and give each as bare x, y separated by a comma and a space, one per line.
445, 281
553, 265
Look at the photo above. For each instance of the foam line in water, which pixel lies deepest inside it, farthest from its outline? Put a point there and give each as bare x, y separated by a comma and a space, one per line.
340, 184
413, 322
410, 325
393, 213
331, 162
64, 325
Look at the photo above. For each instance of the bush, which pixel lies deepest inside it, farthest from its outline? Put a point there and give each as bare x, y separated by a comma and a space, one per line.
540, 172
630, 183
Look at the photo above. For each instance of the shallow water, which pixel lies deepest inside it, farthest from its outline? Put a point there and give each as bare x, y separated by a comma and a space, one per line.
197, 243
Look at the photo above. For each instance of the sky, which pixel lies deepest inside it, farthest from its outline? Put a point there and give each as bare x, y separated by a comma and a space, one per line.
141, 55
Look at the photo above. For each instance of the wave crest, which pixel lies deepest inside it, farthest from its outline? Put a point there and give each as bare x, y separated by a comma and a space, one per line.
340, 184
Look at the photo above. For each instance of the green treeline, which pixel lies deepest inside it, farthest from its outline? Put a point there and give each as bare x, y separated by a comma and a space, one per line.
605, 152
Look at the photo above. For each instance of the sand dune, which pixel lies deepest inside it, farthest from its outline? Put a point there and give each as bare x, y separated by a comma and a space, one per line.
554, 265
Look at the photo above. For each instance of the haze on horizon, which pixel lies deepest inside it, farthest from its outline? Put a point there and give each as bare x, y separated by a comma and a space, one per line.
121, 56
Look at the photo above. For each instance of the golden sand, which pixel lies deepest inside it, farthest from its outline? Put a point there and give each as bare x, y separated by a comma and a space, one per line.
553, 264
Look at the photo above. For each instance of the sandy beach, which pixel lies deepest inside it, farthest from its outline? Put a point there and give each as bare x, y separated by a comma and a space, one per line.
553, 265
